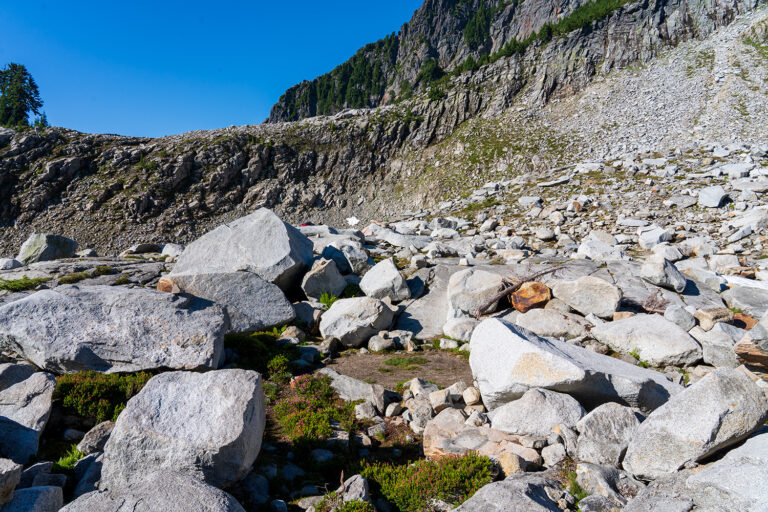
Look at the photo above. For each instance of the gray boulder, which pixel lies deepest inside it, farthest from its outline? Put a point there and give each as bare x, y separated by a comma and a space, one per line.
252, 303
662, 272
507, 361
9, 264
384, 280
680, 317
471, 288
738, 481
589, 295
609, 482
752, 301
46, 247
165, 491
551, 323
354, 321
719, 410
10, 474
260, 243
25, 405
36, 499
718, 344
536, 413
323, 277
113, 329
526, 491
96, 438
655, 339
208, 425
711, 197
604, 434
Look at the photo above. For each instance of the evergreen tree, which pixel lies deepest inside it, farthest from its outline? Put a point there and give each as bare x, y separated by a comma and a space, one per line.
19, 96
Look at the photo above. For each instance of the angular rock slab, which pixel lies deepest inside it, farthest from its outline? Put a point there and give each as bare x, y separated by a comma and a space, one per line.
738, 481
161, 491
36, 499
605, 433
657, 341
719, 410
354, 321
527, 491
10, 474
507, 361
252, 303
536, 413
207, 425
260, 243
471, 288
589, 294
752, 301
46, 247
551, 323
113, 329
25, 405
384, 280
323, 277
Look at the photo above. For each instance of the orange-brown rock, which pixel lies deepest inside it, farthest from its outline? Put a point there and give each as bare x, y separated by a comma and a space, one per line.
165, 285
530, 296
622, 315
744, 321
751, 355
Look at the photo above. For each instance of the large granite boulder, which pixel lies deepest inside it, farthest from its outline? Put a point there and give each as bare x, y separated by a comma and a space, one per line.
719, 410
589, 295
384, 280
507, 361
46, 247
738, 481
36, 499
25, 405
252, 303
323, 277
527, 491
536, 413
354, 321
260, 243
604, 434
165, 491
208, 425
471, 288
113, 329
653, 338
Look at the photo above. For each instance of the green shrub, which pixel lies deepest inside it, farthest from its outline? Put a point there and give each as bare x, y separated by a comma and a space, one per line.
574, 488
411, 487
327, 299
68, 461
25, 283
255, 351
306, 417
98, 396
278, 368
333, 502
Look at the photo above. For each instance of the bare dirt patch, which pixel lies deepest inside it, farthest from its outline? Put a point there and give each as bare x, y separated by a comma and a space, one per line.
442, 368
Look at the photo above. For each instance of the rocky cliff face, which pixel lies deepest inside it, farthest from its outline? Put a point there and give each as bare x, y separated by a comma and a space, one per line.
109, 191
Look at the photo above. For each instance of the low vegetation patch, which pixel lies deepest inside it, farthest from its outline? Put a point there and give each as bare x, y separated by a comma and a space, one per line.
67, 462
96, 395
25, 283
411, 487
406, 362
259, 351
333, 502
306, 415
75, 277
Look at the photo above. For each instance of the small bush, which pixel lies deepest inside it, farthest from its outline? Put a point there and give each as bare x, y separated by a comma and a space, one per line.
25, 283
98, 396
333, 502
73, 278
257, 350
278, 368
68, 461
306, 417
327, 299
411, 487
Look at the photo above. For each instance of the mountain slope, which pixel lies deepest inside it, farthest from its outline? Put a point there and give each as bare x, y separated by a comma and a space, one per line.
650, 76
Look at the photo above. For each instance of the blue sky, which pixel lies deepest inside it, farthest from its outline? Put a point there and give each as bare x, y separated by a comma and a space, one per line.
158, 68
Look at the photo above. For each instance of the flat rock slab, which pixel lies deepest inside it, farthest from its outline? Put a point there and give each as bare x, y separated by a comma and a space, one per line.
589, 295
252, 303
719, 410
507, 361
260, 243
752, 301
113, 329
655, 339
164, 490
25, 405
208, 425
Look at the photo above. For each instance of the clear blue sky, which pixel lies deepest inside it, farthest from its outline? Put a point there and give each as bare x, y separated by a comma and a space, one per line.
153, 68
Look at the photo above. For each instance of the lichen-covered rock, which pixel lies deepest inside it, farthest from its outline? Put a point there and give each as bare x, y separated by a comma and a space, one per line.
46, 247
